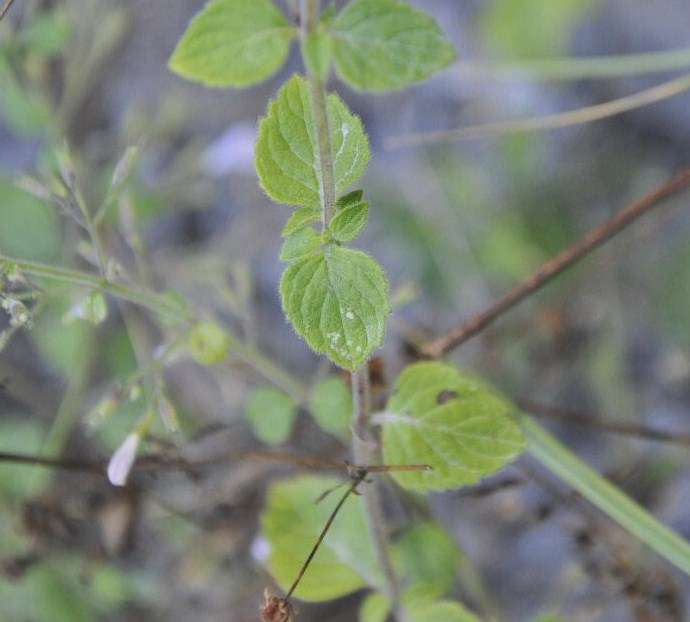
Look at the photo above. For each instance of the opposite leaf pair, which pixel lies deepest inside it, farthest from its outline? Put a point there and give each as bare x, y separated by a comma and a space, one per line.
374, 44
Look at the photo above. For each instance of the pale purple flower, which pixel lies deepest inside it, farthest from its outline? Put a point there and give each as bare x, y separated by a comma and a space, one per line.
122, 460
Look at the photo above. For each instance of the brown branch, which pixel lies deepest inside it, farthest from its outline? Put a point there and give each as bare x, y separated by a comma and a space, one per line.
553, 267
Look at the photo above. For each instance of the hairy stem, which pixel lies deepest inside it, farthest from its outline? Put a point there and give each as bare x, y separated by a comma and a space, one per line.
365, 449
309, 10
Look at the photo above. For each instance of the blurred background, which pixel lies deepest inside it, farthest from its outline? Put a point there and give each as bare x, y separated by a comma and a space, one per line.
456, 220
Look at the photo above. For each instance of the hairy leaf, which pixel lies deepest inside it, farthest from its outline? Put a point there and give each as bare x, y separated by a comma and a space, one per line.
439, 417
233, 43
299, 243
271, 413
338, 301
286, 156
354, 196
387, 44
292, 521
300, 217
348, 222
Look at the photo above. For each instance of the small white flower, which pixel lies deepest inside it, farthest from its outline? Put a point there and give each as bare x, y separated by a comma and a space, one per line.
122, 460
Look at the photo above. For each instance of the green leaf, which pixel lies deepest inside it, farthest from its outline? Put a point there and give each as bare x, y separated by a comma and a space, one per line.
374, 608
286, 149
387, 44
331, 405
445, 610
426, 554
299, 243
209, 343
452, 422
233, 43
271, 413
355, 196
300, 217
348, 223
338, 301
292, 522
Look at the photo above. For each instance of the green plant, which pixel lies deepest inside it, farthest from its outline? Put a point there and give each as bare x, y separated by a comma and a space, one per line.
440, 428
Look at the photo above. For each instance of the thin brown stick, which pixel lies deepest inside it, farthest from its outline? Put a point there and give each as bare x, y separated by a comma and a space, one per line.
158, 462
553, 267
5, 8
589, 420
357, 478
54, 463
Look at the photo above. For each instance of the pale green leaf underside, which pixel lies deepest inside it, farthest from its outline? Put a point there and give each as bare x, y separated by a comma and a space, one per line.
387, 44
291, 522
337, 300
286, 151
453, 423
233, 43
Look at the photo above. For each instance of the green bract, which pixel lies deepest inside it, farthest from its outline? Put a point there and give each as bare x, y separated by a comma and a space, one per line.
387, 44
233, 43
292, 521
439, 417
337, 300
287, 152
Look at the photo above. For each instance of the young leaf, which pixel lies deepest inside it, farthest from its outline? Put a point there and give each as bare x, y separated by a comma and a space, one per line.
233, 43
299, 243
338, 301
387, 44
286, 150
348, 222
271, 413
331, 405
300, 217
439, 417
355, 196
291, 522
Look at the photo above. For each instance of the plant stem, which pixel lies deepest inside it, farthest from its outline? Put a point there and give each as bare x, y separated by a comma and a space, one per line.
365, 450
154, 302
309, 11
